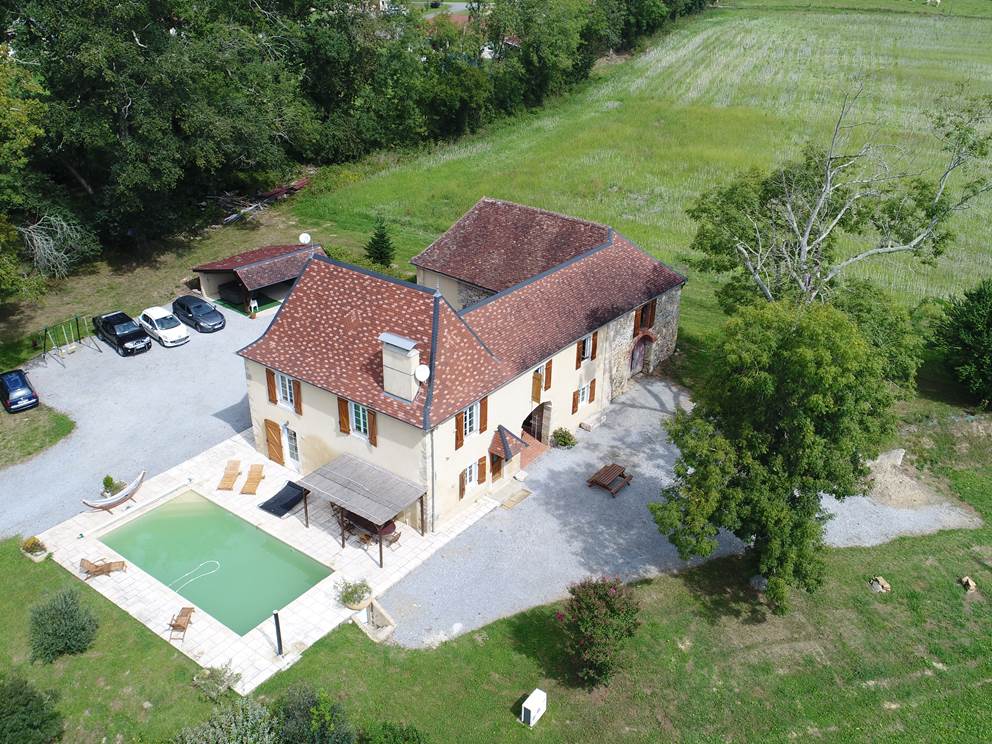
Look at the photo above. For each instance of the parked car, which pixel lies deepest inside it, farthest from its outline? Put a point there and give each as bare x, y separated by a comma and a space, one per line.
197, 312
122, 332
16, 392
163, 326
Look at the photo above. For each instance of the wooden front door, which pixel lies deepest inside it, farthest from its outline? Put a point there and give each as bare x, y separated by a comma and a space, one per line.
273, 441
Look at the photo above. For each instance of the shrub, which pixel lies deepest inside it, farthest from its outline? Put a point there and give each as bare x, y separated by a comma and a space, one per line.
110, 485
245, 721
353, 592
26, 715
33, 545
215, 681
304, 716
562, 437
600, 615
61, 626
391, 733
964, 335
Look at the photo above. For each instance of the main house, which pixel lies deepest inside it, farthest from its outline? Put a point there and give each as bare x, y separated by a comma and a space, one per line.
521, 321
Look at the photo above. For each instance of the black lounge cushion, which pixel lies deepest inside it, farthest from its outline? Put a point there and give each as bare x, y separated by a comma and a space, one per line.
283, 502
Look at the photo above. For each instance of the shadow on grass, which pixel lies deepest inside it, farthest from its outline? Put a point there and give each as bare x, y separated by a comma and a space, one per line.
935, 382
537, 633
722, 589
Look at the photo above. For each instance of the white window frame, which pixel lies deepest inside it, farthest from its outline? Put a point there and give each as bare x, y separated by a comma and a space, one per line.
471, 476
292, 443
284, 390
584, 394
358, 416
587, 347
471, 425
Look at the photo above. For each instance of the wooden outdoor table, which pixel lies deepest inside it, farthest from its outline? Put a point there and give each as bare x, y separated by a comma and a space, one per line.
611, 478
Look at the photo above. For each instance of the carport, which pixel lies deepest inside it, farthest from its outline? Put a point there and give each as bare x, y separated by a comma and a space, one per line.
263, 274
365, 495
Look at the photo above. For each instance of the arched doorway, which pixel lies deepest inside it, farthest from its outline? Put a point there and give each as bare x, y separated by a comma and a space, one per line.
638, 355
538, 423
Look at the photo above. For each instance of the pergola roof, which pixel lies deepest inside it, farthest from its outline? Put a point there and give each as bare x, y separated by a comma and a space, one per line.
362, 488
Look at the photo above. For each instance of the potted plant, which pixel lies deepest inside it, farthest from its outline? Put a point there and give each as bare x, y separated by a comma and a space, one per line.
111, 486
34, 549
355, 595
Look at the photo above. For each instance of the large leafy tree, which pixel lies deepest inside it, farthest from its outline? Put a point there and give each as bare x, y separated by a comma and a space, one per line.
964, 334
794, 405
779, 233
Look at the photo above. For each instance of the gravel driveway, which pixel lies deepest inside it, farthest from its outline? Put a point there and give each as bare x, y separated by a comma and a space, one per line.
513, 559
151, 412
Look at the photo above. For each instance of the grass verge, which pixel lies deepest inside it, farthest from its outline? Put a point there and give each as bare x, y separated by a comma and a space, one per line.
25, 434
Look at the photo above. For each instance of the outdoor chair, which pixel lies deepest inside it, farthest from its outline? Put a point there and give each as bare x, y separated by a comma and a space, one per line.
100, 567
231, 473
255, 476
393, 540
180, 624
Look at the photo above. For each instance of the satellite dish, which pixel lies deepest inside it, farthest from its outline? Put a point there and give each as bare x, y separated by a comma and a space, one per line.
422, 373
304, 238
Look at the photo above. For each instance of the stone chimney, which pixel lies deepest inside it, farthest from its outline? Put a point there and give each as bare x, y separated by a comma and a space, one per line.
400, 358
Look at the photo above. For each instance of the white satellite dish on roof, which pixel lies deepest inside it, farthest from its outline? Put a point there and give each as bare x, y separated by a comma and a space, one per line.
304, 238
422, 373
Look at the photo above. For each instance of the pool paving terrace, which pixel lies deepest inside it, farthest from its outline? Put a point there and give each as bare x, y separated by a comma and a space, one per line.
303, 620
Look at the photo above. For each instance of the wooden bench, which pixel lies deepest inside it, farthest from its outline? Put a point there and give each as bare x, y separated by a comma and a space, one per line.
611, 478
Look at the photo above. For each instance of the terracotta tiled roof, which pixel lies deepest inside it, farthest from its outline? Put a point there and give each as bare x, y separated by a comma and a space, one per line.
498, 244
506, 444
526, 324
265, 266
315, 338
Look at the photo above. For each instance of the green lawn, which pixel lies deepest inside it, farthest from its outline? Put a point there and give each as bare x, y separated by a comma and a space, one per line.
103, 693
29, 432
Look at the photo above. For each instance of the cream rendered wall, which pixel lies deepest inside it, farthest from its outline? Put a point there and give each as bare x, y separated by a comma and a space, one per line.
459, 294
401, 448
211, 281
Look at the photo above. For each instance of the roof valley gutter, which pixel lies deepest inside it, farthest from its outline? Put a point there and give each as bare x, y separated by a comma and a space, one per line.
430, 380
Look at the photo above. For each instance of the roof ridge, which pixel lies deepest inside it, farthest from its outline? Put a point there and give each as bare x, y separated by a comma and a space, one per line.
298, 249
374, 274
537, 277
653, 258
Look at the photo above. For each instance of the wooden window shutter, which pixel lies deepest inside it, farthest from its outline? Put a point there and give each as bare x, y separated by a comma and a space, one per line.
270, 382
637, 321
575, 401
344, 419
652, 307
373, 429
535, 388
497, 466
461, 485
483, 414
595, 343
578, 355
482, 469
547, 375
592, 391
297, 398
459, 429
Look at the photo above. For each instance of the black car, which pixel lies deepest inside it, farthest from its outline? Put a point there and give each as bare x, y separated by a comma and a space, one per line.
122, 332
197, 312
16, 392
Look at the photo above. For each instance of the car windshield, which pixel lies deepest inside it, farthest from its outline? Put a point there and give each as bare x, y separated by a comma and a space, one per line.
126, 327
164, 324
16, 386
200, 308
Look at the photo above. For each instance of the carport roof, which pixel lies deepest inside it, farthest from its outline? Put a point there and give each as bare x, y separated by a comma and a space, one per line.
362, 488
265, 266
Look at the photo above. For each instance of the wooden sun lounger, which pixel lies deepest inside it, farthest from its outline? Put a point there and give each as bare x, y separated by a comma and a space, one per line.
611, 478
255, 476
231, 473
180, 624
100, 567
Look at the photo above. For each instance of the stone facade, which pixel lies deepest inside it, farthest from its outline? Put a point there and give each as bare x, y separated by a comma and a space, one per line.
620, 341
469, 294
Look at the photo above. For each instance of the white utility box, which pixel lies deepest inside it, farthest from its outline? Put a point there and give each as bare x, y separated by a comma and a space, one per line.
533, 707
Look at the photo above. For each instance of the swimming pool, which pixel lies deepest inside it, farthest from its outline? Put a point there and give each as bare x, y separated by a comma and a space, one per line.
218, 561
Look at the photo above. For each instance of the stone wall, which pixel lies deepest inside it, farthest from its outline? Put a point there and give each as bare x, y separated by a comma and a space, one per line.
469, 294
620, 341
666, 326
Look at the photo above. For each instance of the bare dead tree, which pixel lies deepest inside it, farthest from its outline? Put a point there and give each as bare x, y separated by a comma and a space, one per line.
783, 232
53, 244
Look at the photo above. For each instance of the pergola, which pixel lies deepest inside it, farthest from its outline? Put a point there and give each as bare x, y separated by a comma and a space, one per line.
369, 492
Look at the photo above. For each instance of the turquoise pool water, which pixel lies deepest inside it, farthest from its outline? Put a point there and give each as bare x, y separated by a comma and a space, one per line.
218, 561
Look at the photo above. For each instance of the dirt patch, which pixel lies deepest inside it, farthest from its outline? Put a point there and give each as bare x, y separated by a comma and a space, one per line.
897, 483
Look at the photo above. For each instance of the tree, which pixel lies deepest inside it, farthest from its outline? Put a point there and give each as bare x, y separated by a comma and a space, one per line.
793, 407
26, 715
598, 619
964, 335
780, 233
380, 249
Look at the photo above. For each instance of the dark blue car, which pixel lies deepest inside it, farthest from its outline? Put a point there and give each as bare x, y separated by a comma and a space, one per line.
16, 392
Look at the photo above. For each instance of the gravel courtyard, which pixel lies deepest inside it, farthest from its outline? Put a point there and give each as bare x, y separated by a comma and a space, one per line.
151, 412
516, 558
